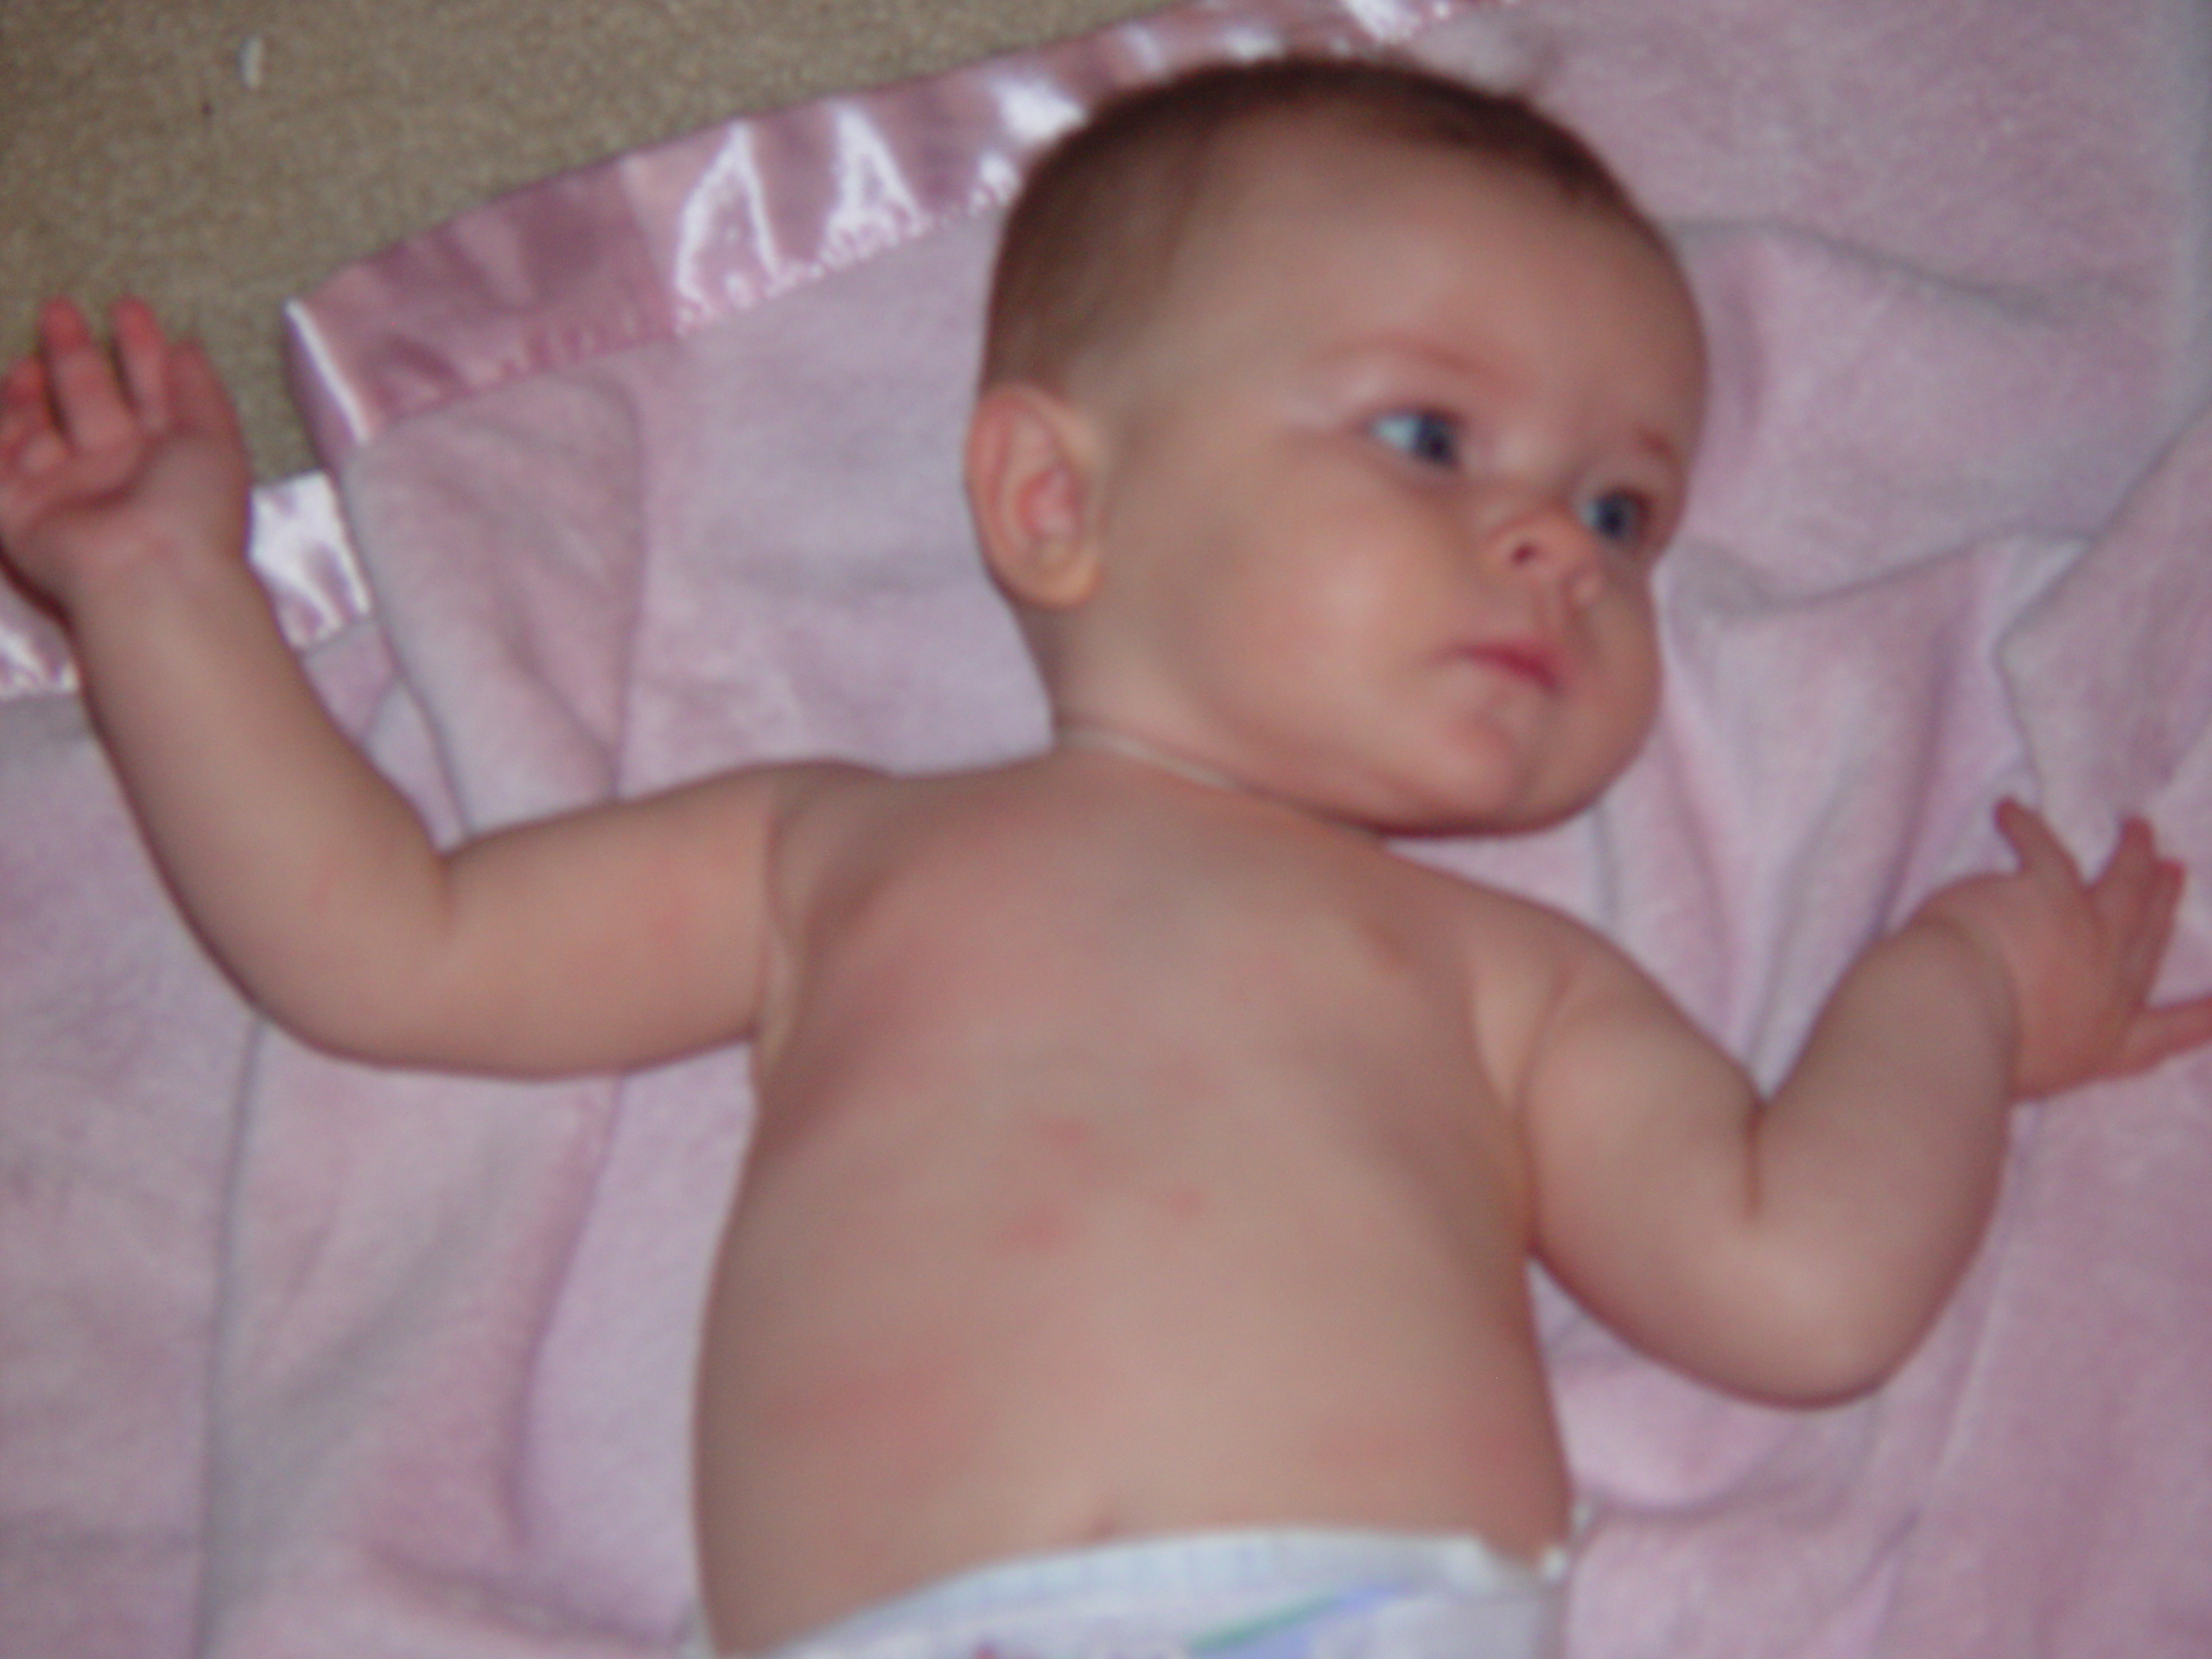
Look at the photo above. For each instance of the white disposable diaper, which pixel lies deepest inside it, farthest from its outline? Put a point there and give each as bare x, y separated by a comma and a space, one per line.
1272, 1594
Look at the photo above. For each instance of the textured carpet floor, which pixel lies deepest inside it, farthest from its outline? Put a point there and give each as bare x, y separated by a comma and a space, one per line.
217, 155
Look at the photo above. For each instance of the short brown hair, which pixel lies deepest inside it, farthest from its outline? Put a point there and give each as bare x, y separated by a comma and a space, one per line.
1103, 215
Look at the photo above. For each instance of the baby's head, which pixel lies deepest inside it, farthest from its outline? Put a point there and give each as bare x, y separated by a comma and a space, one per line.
1332, 416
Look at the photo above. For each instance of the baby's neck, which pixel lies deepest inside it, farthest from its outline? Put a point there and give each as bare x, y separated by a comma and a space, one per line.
1070, 734
1101, 739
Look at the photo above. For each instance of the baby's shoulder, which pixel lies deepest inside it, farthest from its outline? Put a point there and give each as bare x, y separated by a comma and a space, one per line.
836, 822
819, 806
1523, 959
1503, 928
1541, 982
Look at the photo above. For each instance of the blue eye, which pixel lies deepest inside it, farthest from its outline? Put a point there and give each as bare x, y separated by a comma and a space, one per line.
1620, 516
1420, 434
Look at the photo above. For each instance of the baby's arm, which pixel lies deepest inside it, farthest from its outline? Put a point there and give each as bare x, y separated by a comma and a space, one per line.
1800, 1249
612, 936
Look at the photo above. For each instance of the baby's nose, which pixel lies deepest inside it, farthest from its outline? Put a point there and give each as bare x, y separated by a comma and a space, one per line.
1546, 541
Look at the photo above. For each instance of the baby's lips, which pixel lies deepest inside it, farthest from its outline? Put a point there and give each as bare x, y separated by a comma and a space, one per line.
1534, 660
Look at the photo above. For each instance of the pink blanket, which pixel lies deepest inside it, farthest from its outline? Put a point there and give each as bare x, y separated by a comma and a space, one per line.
652, 469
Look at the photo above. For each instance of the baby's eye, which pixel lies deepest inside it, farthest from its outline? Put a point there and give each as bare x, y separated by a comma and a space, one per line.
1422, 434
1620, 516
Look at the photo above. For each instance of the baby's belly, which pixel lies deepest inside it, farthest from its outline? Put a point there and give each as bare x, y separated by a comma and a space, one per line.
942, 1337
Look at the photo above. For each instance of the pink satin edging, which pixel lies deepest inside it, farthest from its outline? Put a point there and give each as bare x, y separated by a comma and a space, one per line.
669, 239
299, 546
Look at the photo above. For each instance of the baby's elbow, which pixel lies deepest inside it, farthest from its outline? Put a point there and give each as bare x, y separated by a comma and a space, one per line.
360, 1029
383, 1020
1831, 1375
1823, 1344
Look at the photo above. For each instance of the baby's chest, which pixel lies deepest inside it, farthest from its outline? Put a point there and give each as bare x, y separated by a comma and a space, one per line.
1254, 959
984, 1007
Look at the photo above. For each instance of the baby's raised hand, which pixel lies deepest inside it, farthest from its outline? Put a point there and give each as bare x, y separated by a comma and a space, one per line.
101, 469
2079, 957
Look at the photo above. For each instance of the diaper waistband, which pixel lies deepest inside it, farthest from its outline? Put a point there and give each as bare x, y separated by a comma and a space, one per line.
1200, 1595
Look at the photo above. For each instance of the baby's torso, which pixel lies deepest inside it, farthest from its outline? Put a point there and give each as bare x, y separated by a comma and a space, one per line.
1130, 1161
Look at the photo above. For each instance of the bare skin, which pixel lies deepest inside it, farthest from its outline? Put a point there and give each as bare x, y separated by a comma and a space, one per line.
1144, 1146
1243, 1245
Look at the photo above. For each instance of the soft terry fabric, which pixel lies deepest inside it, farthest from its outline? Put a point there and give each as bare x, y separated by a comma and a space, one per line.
1243, 1595
652, 469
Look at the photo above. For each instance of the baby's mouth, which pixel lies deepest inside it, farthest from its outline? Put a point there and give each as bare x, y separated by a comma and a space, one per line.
1532, 660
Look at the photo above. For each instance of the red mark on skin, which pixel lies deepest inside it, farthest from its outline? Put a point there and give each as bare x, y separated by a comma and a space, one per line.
1037, 1230
1073, 1136
1045, 1209
910, 1410
1185, 1201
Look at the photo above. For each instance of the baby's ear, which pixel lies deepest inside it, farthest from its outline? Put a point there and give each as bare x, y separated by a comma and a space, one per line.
1031, 472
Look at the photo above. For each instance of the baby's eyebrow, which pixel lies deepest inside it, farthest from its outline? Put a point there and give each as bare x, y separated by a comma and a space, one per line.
1424, 356
1658, 444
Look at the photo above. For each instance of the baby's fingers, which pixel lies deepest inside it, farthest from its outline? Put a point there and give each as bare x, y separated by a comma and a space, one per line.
24, 414
87, 400
2158, 1034
2136, 891
2040, 852
198, 402
2151, 938
143, 349
30, 448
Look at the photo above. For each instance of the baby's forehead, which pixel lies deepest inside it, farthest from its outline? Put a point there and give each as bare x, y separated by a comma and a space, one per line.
1279, 146
1317, 169
1473, 244
1116, 221
1341, 224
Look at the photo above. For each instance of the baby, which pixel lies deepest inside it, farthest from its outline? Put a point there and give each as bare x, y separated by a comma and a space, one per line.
1131, 1254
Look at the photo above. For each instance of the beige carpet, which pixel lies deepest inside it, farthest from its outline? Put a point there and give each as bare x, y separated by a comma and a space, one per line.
146, 147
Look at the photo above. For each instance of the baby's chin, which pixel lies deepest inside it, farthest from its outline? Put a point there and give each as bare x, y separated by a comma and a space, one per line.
1472, 780
1438, 808
1503, 787
1488, 793
1447, 823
